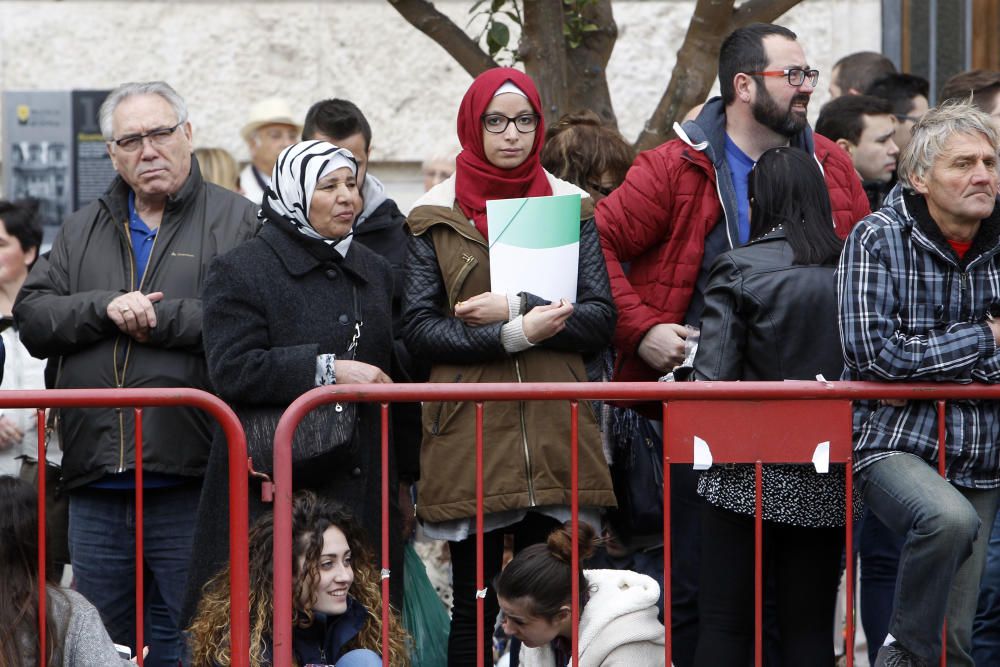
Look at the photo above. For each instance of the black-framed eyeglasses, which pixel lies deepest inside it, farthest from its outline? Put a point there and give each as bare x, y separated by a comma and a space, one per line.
158, 137
496, 123
796, 75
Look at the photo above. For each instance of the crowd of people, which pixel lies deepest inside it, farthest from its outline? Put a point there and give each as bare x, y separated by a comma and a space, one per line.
866, 250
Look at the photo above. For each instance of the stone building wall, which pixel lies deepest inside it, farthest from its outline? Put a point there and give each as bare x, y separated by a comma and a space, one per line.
222, 56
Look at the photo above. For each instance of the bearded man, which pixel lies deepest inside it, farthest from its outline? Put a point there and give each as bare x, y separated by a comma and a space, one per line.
681, 206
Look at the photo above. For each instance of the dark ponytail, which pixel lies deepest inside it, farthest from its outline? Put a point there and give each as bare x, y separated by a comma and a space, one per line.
543, 573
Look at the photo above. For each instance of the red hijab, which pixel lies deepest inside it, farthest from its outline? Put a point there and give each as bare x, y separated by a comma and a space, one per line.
476, 179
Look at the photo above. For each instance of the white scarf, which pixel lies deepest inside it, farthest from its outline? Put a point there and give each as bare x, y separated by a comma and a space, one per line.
293, 182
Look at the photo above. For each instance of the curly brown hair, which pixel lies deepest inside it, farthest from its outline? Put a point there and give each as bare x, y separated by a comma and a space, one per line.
311, 516
579, 148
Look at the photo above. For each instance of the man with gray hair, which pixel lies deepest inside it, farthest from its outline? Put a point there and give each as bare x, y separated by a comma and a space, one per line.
117, 303
919, 289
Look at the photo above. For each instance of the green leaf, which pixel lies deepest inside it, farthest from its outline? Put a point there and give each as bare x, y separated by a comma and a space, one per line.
497, 6
499, 34
591, 27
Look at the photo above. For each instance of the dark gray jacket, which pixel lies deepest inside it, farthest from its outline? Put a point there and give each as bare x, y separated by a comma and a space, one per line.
62, 312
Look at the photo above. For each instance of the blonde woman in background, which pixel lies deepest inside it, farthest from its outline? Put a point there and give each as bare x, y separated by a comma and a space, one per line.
219, 166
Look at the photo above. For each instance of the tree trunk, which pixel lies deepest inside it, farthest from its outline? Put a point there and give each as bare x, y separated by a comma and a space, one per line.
569, 79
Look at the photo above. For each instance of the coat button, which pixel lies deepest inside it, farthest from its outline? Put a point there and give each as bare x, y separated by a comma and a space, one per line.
356, 472
331, 274
344, 319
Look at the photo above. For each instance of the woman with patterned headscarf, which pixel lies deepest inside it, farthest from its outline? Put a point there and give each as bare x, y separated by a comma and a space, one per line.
296, 307
470, 334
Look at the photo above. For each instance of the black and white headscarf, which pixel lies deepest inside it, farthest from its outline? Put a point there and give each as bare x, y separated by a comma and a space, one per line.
293, 182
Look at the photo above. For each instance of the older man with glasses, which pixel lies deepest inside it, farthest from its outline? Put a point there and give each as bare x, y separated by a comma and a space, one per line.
117, 304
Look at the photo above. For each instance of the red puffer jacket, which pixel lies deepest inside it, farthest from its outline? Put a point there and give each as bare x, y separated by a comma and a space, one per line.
658, 219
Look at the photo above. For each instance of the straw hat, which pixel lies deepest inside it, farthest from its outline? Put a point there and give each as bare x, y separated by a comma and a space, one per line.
270, 111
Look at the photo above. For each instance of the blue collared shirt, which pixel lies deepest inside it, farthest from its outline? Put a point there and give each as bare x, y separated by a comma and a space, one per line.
143, 239
740, 165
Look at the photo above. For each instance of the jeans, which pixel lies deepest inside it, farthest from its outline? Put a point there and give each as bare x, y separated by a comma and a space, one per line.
685, 558
879, 548
942, 559
685, 565
102, 550
986, 628
360, 657
803, 567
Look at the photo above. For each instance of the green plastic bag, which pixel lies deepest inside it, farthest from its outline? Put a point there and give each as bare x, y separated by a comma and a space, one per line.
424, 615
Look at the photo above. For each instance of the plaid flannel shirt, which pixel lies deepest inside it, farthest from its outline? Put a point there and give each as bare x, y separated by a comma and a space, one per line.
911, 311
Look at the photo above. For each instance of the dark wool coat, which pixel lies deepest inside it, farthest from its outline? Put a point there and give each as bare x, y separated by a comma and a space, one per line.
270, 308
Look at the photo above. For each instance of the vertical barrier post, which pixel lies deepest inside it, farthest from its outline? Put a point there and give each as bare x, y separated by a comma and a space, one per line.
667, 593
239, 529
480, 585
282, 626
385, 535
42, 456
942, 470
574, 509
758, 564
139, 537
849, 553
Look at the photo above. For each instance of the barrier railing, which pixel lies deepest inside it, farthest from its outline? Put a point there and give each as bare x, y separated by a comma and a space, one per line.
686, 411
238, 523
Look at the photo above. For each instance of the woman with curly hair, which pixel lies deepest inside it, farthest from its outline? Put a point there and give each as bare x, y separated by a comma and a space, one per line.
581, 149
337, 616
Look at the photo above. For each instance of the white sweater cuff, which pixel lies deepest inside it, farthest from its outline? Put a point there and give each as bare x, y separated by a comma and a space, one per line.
513, 306
512, 336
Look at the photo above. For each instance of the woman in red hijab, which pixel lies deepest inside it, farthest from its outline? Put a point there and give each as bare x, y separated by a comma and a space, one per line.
470, 334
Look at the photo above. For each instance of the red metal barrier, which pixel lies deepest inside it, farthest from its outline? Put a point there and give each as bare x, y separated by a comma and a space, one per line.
734, 441
238, 524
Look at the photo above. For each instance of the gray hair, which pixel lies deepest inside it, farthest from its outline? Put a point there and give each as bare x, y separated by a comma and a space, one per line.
127, 90
932, 132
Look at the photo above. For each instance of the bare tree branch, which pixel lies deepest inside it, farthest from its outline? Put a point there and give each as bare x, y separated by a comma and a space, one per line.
760, 11
694, 71
423, 16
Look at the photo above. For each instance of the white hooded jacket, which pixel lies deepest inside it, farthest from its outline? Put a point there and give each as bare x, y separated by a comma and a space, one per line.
618, 626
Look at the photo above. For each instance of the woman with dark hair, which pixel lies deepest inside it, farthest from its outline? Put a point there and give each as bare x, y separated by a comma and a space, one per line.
580, 149
618, 624
337, 602
471, 334
771, 314
74, 633
20, 237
